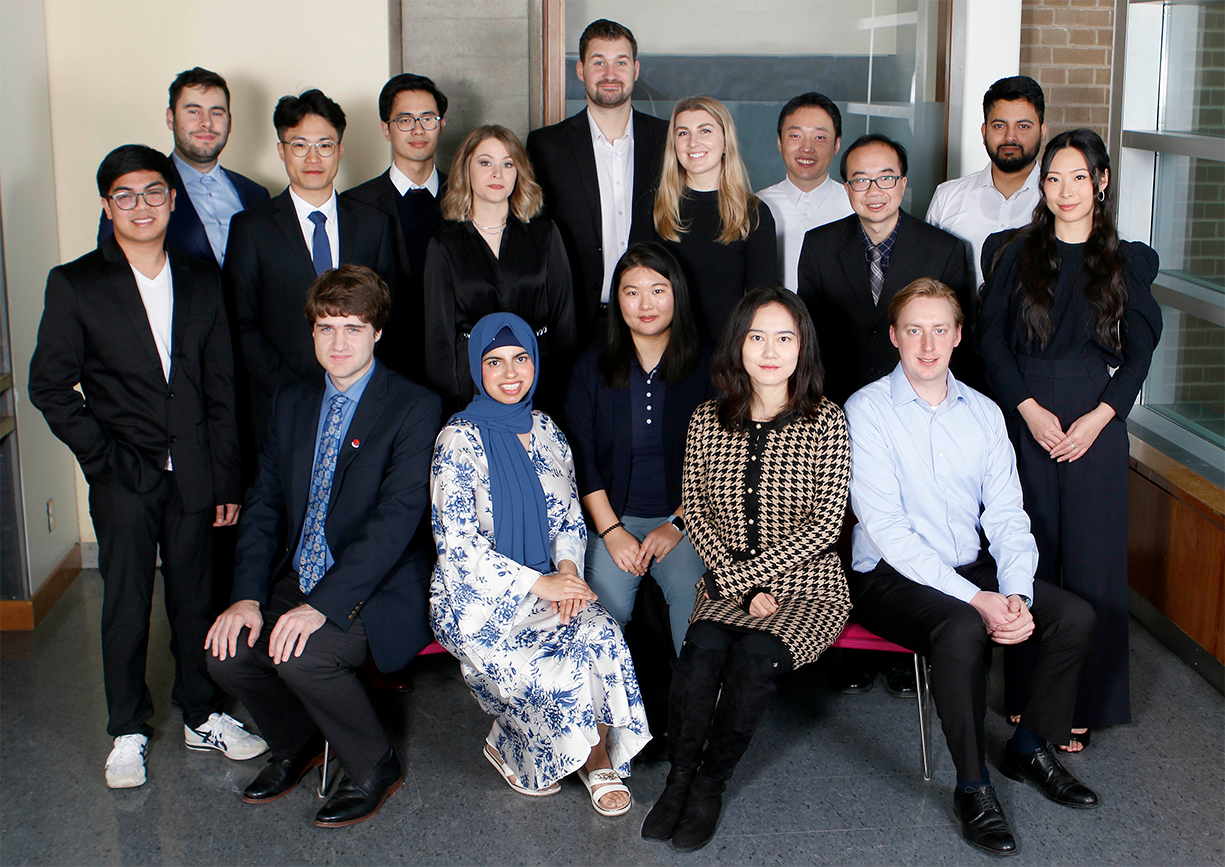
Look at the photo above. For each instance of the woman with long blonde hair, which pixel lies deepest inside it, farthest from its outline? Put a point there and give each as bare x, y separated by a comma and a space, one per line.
707, 215
495, 254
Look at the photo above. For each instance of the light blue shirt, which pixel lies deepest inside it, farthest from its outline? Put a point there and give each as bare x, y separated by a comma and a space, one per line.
215, 200
354, 394
924, 479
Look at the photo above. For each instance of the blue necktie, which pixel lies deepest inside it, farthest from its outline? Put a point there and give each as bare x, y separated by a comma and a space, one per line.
321, 249
314, 542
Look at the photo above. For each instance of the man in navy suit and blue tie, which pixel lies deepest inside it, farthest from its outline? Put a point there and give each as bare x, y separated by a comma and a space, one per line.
326, 573
208, 195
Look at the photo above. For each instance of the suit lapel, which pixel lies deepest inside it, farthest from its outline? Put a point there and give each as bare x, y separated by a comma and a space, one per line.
585, 170
195, 237
181, 292
304, 431
900, 261
855, 271
346, 219
128, 295
644, 148
369, 410
286, 219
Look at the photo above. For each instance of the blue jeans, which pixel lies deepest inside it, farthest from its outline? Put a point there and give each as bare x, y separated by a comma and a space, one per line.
677, 575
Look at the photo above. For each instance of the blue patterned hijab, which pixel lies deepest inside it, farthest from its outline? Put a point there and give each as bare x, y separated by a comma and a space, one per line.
520, 520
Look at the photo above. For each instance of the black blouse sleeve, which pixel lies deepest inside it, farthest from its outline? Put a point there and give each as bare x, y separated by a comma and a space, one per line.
761, 251
995, 326
1140, 329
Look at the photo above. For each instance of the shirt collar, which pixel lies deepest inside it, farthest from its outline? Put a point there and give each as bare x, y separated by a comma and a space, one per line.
885, 245
597, 134
305, 208
403, 183
190, 174
986, 179
816, 196
354, 392
902, 392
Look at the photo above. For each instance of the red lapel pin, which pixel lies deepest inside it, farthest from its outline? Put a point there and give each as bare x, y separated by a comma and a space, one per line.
355, 443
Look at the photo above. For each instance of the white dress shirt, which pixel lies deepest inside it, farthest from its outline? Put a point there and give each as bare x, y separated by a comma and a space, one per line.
158, 297
614, 166
795, 212
403, 183
305, 209
972, 208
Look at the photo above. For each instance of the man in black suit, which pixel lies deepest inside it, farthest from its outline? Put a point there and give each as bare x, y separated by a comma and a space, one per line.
326, 574
849, 305
413, 114
277, 249
849, 271
599, 170
207, 195
143, 331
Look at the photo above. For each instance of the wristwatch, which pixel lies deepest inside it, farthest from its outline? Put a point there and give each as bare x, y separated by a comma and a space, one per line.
1029, 603
678, 522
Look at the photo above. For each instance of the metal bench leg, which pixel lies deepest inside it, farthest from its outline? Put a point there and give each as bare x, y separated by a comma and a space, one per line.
925, 713
323, 776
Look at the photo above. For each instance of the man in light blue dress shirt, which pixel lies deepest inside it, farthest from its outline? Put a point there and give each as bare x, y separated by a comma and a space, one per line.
933, 478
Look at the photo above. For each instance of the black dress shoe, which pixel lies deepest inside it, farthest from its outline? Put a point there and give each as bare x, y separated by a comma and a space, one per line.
852, 673
280, 776
900, 681
982, 820
353, 803
1042, 769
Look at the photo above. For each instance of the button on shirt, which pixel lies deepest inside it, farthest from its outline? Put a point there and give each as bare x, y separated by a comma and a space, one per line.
647, 495
972, 208
403, 183
304, 209
354, 394
921, 476
216, 200
614, 166
157, 294
795, 212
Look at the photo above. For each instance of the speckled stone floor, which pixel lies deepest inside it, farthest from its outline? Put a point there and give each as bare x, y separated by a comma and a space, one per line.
829, 779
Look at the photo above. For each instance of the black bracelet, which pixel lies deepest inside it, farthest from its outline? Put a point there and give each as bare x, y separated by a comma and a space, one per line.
610, 529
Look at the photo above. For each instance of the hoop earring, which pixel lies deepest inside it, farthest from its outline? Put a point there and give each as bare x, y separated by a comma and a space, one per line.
1101, 195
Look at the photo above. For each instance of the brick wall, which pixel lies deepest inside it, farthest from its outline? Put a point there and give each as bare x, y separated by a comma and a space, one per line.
1066, 46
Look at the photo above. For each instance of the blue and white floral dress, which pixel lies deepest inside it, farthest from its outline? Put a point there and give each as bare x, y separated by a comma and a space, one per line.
547, 684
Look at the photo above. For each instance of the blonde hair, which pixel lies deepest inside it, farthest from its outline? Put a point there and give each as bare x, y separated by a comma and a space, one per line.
737, 204
526, 200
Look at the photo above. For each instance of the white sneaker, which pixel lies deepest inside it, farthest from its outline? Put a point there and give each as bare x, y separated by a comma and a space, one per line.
224, 733
125, 766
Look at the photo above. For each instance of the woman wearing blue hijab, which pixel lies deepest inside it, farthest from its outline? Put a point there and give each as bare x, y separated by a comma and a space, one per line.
507, 598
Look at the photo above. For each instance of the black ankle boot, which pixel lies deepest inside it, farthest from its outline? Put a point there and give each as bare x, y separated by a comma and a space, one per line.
691, 705
700, 816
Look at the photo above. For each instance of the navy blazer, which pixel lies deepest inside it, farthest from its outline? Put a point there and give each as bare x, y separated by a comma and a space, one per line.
564, 160
599, 427
853, 334
380, 491
127, 418
185, 231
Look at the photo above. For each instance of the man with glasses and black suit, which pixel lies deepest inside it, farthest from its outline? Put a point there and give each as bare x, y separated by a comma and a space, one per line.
413, 114
277, 249
142, 331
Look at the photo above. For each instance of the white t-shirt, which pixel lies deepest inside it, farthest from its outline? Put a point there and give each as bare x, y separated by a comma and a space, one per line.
158, 297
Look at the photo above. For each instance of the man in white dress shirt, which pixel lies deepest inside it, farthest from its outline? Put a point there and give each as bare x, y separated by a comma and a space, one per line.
1002, 195
809, 135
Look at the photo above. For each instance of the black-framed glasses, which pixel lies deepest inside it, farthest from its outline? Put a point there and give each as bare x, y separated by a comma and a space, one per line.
406, 122
884, 182
300, 148
125, 200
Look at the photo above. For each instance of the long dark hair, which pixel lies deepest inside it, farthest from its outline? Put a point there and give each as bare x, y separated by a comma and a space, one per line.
681, 354
804, 388
1040, 263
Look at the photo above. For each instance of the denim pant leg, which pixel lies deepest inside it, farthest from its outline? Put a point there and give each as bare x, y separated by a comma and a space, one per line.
616, 589
677, 575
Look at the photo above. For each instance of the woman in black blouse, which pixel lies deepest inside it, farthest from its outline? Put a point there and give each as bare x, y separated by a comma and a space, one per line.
1065, 301
497, 255
707, 215
627, 411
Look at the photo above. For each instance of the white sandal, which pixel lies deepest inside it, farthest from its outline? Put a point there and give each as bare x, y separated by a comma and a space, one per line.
609, 782
504, 769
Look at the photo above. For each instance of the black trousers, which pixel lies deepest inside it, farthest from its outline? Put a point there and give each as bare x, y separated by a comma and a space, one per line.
1078, 513
130, 528
315, 692
951, 634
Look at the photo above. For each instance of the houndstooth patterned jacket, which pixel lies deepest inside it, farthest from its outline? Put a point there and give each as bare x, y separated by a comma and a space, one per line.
764, 507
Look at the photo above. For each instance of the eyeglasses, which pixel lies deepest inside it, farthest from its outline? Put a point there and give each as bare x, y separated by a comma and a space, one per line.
126, 199
406, 122
300, 148
862, 185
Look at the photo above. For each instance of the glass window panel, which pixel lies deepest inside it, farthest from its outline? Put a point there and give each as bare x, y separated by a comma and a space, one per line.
1193, 69
1186, 382
1189, 219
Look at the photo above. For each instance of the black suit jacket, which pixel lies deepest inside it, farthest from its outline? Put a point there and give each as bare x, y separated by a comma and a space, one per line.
95, 332
268, 269
564, 160
380, 490
186, 232
854, 335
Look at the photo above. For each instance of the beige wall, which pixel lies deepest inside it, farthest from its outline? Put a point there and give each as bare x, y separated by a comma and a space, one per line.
109, 65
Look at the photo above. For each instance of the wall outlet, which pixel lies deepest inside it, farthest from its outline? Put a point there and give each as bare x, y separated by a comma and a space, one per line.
51, 515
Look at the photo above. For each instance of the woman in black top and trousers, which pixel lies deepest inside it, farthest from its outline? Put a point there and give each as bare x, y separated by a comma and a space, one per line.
495, 255
1065, 301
